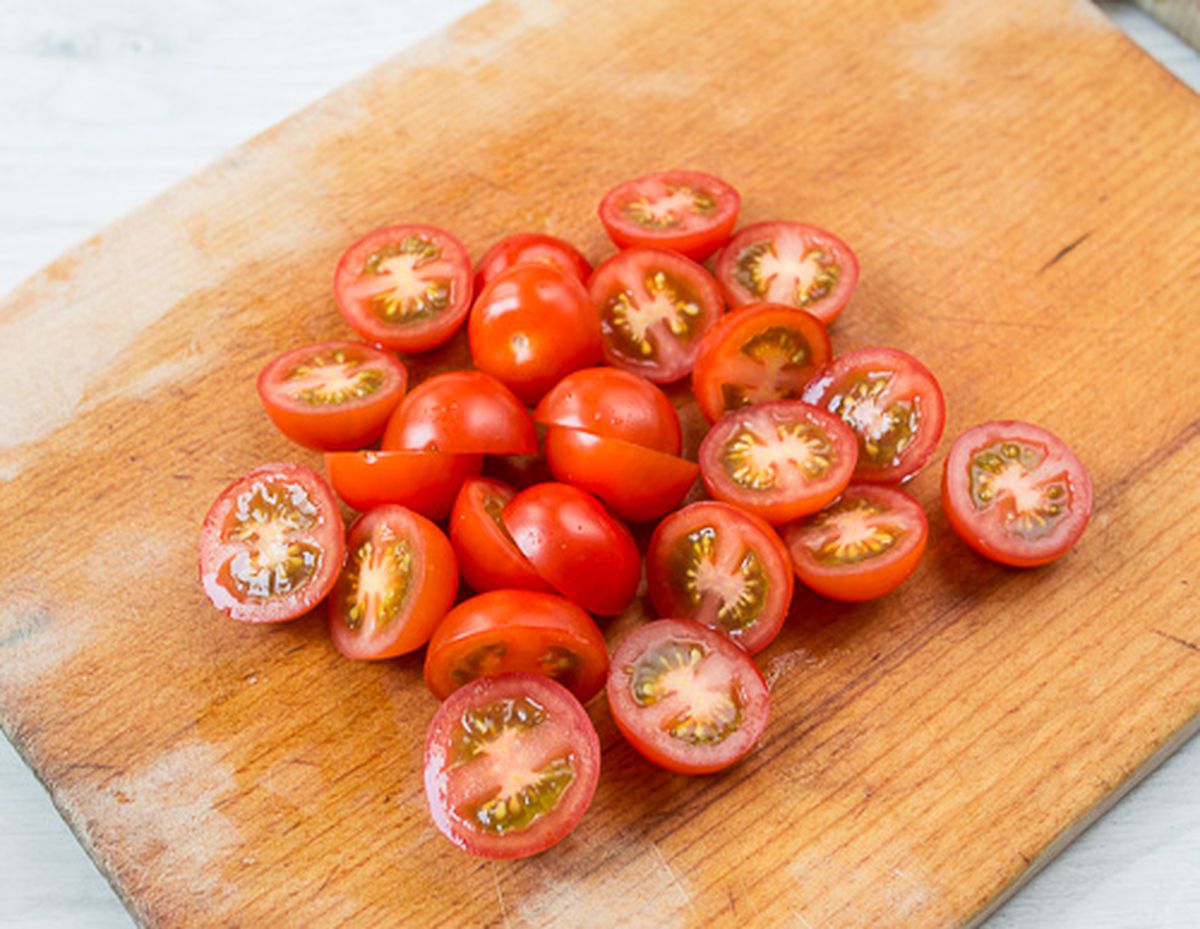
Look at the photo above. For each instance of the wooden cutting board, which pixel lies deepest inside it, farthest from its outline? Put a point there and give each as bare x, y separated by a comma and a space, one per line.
1021, 185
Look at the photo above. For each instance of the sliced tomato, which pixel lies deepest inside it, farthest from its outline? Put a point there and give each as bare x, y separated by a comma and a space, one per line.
795, 264
863, 545
487, 556
1016, 493
530, 248
724, 568
614, 404
423, 481
891, 402
689, 212
517, 630
686, 697
404, 287
462, 412
575, 544
271, 545
655, 307
756, 354
779, 461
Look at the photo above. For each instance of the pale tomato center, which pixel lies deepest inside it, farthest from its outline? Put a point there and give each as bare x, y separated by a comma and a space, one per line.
759, 464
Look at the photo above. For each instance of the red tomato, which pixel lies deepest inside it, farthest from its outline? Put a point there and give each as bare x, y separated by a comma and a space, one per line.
573, 542
527, 248
724, 568
790, 263
400, 579
689, 212
423, 481
686, 697
862, 546
655, 306
517, 630
462, 412
404, 287
891, 402
1016, 493
271, 545
757, 354
511, 764
532, 325
487, 555
780, 460
614, 404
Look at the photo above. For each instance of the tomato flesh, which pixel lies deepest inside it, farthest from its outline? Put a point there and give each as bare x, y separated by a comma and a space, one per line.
487, 556
462, 412
424, 481
689, 212
530, 248
614, 404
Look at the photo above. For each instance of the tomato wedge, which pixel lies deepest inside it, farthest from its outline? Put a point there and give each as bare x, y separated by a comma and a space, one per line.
271, 545
511, 764
423, 481
487, 556
462, 412
689, 212
404, 287
686, 697
531, 248
614, 404
1016, 493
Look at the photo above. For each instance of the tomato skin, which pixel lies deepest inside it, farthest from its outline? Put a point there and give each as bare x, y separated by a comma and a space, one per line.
614, 404
462, 412
696, 237
526, 624
488, 558
532, 325
423, 481
576, 545
530, 248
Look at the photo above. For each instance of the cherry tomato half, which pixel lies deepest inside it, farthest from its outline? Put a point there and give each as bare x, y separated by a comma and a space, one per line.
462, 412
530, 248
423, 481
614, 404
686, 697
1016, 493
271, 545
487, 556
689, 212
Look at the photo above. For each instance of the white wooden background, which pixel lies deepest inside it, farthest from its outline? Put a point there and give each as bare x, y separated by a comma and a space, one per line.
103, 104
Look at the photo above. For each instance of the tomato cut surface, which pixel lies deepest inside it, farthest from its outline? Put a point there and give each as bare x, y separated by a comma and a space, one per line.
1016, 493
863, 545
724, 568
404, 287
531, 248
423, 481
795, 264
511, 764
517, 630
757, 354
891, 402
655, 307
780, 460
462, 412
614, 404
689, 212
271, 545
686, 697
487, 556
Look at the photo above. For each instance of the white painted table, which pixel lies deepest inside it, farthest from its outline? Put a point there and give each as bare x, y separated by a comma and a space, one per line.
103, 105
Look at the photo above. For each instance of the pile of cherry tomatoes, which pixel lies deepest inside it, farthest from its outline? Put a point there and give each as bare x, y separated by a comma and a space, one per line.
802, 466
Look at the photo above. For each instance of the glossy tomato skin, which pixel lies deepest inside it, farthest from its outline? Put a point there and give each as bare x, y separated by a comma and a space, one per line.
689, 212
242, 580
614, 404
718, 667
531, 326
531, 248
989, 459
724, 568
462, 412
870, 386
426, 482
573, 542
886, 530
523, 631
563, 732
413, 561
487, 556
407, 317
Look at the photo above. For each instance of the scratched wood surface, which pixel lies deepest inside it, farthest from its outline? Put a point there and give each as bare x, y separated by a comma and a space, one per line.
1020, 184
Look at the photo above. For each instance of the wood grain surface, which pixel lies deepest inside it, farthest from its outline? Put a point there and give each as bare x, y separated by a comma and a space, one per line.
1020, 185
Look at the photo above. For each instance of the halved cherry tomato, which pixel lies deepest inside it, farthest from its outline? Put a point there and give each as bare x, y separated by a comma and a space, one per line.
530, 248
654, 306
615, 404
423, 481
517, 630
271, 545
573, 542
1016, 493
724, 568
686, 697
532, 325
891, 402
487, 556
511, 764
863, 545
689, 212
399, 581
405, 287
756, 354
462, 412
790, 263
780, 460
